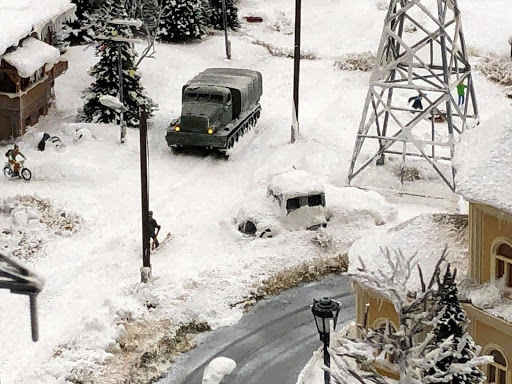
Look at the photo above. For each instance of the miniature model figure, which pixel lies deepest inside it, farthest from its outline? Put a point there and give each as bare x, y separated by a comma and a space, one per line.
11, 155
416, 101
461, 90
153, 225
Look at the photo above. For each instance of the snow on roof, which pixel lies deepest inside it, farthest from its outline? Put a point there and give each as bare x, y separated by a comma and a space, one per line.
19, 18
427, 234
295, 183
31, 55
483, 160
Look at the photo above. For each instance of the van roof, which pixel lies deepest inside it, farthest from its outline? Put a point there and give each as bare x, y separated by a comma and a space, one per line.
295, 183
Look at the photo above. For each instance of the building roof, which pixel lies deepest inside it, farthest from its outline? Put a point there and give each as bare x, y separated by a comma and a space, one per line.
19, 18
31, 55
424, 236
483, 160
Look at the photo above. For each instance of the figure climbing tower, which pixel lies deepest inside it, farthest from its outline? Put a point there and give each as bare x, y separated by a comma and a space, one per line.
422, 60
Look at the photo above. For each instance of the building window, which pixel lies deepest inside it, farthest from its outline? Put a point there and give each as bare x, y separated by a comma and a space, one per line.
497, 370
503, 263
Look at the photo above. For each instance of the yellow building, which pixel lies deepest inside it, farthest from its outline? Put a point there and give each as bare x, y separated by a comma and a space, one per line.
480, 246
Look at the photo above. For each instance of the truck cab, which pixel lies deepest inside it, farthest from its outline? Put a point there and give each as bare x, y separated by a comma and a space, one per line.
205, 108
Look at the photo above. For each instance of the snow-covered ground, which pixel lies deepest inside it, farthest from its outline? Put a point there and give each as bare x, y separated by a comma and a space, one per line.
92, 272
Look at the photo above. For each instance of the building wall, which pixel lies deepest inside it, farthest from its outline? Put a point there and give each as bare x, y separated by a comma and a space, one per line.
486, 226
491, 333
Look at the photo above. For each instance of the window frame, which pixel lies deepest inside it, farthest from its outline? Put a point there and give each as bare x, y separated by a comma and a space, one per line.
487, 351
495, 258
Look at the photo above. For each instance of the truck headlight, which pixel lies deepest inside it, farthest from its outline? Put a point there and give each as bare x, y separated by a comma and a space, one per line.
210, 131
177, 128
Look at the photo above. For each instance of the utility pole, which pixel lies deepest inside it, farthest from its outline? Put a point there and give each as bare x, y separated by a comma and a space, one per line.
145, 271
296, 72
225, 18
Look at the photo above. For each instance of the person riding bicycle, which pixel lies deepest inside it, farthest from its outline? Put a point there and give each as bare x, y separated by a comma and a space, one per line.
11, 156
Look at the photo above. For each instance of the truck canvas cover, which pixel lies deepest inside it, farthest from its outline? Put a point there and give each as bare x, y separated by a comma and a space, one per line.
245, 85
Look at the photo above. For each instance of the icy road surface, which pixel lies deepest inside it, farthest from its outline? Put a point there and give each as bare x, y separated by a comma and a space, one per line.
272, 342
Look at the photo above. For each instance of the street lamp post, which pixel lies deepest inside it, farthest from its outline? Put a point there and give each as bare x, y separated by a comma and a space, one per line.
119, 40
326, 313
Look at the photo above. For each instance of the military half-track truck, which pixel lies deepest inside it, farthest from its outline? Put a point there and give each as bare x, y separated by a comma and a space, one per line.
219, 106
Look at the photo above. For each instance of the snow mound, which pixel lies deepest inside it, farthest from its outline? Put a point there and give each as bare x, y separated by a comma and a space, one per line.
483, 161
357, 207
217, 370
28, 222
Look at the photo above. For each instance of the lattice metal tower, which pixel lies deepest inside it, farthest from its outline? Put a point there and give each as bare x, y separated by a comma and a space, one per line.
422, 56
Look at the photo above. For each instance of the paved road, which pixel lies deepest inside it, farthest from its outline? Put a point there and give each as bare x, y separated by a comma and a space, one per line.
272, 343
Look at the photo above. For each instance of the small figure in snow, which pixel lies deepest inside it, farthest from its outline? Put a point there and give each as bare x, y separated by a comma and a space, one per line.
153, 225
11, 156
416, 101
461, 91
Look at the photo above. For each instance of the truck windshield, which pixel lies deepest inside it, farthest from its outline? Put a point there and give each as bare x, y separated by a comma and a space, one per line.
216, 98
190, 96
203, 97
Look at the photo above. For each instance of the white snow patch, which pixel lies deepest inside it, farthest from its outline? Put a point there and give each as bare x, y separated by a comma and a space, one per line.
423, 237
218, 369
31, 55
19, 18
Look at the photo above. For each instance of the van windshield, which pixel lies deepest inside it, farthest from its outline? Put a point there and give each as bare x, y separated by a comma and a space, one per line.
292, 204
315, 200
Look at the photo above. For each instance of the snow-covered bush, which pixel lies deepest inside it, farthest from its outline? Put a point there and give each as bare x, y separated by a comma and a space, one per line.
356, 62
181, 20
28, 222
382, 5
282, 24
286, 52
497, 69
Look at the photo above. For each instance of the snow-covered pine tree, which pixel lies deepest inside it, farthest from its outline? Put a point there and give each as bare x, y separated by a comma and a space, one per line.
454, 347
215, 16
181, 20
107, 74
78, 31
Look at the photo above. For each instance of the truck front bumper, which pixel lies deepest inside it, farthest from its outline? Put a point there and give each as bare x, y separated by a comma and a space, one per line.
178, 139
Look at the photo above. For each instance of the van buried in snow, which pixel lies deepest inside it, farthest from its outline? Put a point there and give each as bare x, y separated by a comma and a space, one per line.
294, 201
219, 106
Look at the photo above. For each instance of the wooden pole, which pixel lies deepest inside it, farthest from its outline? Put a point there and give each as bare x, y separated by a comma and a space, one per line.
296, 69
146, 256
225, 20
